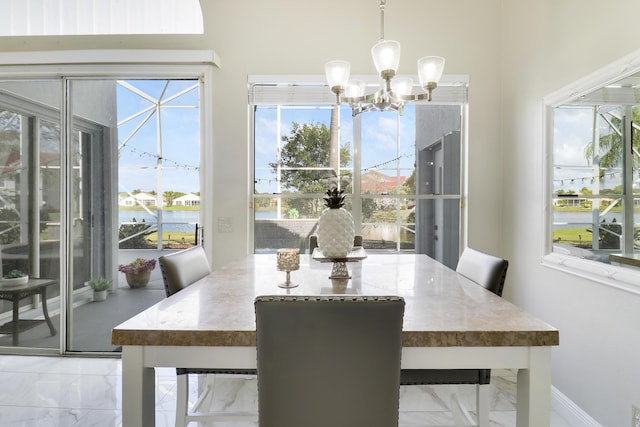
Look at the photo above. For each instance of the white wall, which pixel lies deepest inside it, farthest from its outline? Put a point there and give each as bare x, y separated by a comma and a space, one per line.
547, 44
298, 37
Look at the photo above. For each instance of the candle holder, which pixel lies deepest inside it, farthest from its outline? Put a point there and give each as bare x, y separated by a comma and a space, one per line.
288, 261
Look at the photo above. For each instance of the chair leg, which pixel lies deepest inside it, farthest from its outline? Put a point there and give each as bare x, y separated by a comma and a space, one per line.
204, 392
461, 415
182, 400
483, 396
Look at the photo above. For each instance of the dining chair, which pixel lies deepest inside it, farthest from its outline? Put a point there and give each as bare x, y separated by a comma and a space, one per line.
179, 270
328, 360
313, 242
489, 272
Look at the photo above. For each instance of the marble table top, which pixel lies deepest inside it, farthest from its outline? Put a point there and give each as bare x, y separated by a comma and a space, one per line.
442, 308
632, 260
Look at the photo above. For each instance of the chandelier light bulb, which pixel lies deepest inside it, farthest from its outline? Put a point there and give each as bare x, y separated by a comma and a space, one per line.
430, 69
386, 57
355, 88
402, 86
337, 73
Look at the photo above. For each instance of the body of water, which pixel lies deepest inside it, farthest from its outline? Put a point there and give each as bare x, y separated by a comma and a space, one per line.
563, 220
184, 221
266, 214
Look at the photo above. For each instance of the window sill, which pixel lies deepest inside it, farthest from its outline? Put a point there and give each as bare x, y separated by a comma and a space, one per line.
623, 278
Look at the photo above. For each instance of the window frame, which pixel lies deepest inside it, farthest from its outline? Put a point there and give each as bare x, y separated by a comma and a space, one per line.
451, 91
623, 278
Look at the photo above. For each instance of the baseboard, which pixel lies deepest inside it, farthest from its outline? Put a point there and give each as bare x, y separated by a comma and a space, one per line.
569, 411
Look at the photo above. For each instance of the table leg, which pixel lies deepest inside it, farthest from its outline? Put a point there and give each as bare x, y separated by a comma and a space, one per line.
534, 390
43, 297
138, 389
15, 327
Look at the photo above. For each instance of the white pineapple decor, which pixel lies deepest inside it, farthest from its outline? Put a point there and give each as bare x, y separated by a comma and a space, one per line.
335, 227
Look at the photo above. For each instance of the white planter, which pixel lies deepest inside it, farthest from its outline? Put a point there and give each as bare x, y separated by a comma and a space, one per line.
100, 295
15, 281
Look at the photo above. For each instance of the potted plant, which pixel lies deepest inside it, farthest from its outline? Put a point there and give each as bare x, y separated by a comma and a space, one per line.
100, 285
15, 277
138, 272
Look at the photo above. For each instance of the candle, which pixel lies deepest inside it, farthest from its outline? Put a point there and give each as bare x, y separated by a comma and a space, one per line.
288, 259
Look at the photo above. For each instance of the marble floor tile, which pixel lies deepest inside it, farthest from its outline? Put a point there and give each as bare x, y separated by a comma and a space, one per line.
78, 392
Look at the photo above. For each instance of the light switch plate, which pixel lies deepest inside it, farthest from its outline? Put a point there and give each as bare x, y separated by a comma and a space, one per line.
225, 225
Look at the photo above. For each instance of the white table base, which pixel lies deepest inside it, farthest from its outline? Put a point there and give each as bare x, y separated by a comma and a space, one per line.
533, 365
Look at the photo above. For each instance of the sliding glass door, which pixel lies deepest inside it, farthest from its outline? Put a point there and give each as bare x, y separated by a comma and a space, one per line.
30, 212
77, 155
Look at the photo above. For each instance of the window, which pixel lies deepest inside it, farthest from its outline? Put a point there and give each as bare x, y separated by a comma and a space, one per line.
158, 163
401, 173
594, 178
88, 17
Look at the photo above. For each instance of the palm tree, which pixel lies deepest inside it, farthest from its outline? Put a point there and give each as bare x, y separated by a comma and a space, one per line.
611, 145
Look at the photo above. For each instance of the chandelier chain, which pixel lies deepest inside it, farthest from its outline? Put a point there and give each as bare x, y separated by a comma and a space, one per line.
382, 5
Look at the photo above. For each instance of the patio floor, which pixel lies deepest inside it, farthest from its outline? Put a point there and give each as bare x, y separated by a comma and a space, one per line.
92, 321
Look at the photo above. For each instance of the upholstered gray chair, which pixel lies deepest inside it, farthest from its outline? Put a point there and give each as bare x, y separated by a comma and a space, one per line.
183, 268
489, 272
328, 360
179, 270
313, 242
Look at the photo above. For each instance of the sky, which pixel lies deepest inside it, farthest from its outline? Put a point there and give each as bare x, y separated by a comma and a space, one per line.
180, 136
380, 145
381, 150
573, 132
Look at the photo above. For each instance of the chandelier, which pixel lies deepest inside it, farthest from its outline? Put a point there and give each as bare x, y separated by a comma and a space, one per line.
393, 92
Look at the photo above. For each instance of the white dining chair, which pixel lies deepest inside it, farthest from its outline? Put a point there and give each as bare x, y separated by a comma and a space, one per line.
179, 270
489, 272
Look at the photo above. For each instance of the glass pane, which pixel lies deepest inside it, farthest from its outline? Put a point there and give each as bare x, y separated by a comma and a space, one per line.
385, 221
381, 153
587, 160
285, 222
636, 225
635, 144
293, 150
159, 163
582, 230
91, 187
438, 221
589, 179
141, 140
30, 211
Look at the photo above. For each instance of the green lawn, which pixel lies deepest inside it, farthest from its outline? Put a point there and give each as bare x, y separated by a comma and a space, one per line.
169, 237
573, 235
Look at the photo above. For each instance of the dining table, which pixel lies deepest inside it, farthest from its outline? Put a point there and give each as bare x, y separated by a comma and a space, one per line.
449, 322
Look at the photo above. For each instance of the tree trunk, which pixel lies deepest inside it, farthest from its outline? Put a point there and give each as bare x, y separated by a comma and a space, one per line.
334, 147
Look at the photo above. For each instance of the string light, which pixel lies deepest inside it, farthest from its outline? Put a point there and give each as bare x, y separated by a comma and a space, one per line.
146, 154
346, 174
589, 178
